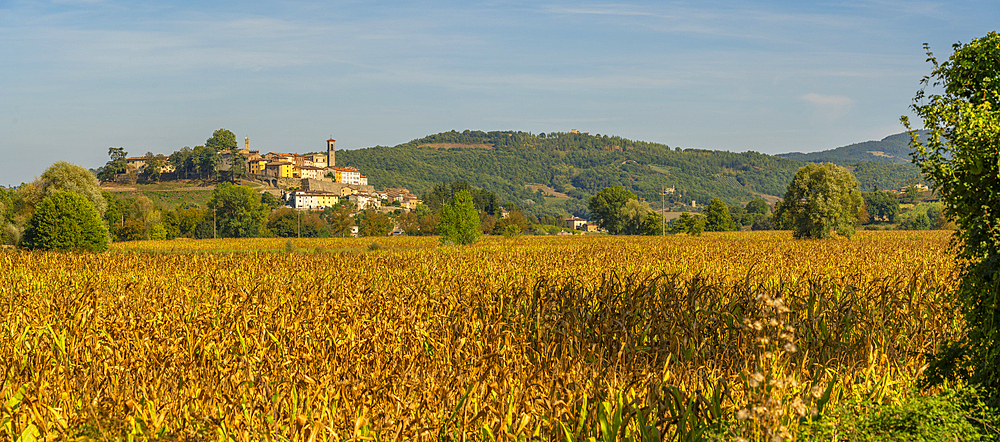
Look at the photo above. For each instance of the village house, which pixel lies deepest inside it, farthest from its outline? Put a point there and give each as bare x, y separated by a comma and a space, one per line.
348, 175
312, 200
256, 164
280, 169
311, 172
404, 197
138, 164
365, 200
576, 223
135, 163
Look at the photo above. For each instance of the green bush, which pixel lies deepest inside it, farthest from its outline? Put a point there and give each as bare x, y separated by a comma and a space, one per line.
954, 415
459, 220
65, 221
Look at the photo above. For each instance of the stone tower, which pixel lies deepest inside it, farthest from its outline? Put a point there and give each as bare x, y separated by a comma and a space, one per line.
331, 159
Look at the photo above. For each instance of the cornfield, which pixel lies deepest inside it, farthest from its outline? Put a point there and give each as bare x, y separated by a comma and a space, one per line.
739, 335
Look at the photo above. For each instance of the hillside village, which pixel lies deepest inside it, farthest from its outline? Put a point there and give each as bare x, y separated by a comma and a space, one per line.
310, 181
302, 181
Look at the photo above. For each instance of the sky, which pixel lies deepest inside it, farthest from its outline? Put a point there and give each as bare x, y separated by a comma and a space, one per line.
80, 76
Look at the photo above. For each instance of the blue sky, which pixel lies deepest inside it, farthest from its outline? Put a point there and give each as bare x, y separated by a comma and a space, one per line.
80, 76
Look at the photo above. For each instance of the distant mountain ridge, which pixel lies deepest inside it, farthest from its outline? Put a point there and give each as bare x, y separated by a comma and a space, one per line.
893, 149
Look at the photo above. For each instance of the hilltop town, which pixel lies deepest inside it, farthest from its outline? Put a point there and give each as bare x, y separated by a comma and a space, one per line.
310, 181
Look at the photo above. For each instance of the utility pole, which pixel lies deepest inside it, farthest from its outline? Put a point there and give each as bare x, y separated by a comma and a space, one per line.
663, 211
215, 222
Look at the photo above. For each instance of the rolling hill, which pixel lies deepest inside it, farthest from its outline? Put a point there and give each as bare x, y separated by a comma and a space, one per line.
580, 165
894, 149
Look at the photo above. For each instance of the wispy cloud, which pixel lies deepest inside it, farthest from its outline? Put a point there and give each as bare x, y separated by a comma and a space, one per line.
612, 9
757, 23
828, 108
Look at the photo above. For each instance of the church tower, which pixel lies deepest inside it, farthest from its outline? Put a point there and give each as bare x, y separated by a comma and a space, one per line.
331, 160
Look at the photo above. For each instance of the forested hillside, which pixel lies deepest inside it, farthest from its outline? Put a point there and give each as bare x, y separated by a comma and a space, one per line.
881, 164
580, 165
894, 149
577, 164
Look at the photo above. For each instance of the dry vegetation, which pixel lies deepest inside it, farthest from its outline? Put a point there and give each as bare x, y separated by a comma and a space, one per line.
563, 338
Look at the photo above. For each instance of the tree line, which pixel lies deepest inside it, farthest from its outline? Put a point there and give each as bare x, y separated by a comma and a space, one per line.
197, 162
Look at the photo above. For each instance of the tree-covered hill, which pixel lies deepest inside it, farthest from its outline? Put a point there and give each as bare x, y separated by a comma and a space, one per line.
580, 165
883, 164
577, 164
894, 149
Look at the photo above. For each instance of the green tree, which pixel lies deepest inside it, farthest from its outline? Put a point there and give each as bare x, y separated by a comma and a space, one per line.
881, 206
639, 219
409, 223
188, 219
910, 195
171, 224
62, 176
821, 199
181, 160
606, 207
513, 225
692, 224
338, 217
154, 165
66, 221
270, 200
915, 220
758, 207
292, 223
459, 220
116, 165
935, 212
959, 156
221, 140
429, 224
738, 214
717, 218
203, 160
238, 212
375, 224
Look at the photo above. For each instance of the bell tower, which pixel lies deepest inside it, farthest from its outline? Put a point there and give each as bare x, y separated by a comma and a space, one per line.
331, 159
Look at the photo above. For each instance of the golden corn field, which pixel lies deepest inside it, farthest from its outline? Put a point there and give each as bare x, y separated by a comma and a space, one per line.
740, 335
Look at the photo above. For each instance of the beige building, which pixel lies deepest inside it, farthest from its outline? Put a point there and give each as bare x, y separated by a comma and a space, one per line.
136, 163
317, 160
365, 200
348, 175
313, 200
312, 172
576, 223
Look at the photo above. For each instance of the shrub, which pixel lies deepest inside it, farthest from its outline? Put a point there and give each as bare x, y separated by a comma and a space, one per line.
65, 221
954, 415
459, 220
